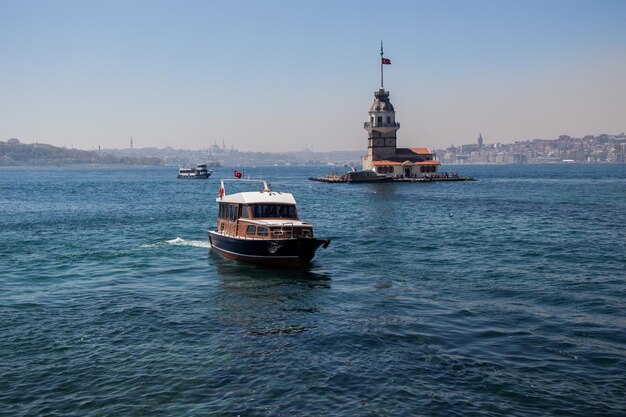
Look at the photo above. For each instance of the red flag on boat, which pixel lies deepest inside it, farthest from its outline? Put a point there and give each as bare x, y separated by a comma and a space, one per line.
386, 61
238, 174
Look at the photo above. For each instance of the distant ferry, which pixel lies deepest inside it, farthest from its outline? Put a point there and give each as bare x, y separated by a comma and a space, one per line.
263, 227
199, 172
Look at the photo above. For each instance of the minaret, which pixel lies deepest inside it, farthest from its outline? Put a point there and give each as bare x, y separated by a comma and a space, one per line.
382, 126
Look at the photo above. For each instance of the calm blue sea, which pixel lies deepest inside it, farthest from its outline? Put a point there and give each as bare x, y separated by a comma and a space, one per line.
500, 297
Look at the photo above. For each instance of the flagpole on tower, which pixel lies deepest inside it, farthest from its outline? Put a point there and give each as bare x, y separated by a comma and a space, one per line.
382, 86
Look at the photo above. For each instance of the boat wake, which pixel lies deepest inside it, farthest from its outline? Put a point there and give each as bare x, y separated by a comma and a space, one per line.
184, 242
180, 242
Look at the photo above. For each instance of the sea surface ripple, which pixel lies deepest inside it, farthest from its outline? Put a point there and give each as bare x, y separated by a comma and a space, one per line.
500, 297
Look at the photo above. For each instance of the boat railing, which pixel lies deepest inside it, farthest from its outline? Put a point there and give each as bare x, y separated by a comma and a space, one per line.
222, 191
289, 226
286, 230
280, 233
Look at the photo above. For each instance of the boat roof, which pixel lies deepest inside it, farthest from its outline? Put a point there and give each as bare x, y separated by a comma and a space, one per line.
258, 197
276, 222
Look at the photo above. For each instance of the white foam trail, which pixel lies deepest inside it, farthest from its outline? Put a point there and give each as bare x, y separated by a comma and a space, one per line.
179, 242
183, 242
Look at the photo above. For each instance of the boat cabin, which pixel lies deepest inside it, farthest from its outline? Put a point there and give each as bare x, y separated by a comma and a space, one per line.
260, 215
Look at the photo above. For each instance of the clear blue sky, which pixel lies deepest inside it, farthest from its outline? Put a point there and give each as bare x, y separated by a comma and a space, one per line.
282, 75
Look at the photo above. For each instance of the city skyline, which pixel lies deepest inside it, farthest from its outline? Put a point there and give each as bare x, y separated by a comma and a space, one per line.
282, 76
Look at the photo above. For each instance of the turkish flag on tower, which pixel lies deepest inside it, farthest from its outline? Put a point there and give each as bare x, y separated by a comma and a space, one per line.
386, 61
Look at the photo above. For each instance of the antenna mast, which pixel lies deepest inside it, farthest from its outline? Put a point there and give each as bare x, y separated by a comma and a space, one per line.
382, 86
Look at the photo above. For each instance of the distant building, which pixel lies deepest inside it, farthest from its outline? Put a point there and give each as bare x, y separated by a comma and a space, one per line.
13, 141
383, 156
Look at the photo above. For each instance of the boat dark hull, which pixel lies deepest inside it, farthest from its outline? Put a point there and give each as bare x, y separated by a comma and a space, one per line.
194, 177
282, 252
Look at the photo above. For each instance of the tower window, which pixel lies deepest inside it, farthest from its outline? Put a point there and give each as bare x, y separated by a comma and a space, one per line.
380, 120
388, 120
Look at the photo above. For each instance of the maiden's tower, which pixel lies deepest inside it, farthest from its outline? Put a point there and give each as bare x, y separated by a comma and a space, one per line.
383, 155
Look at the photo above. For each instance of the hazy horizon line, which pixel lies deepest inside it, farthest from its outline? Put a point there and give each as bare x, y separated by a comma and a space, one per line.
37, 142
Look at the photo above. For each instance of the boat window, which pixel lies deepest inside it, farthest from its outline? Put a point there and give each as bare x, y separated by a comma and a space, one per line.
244, 212
230, 212
283, 211
262, 231
251, 230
